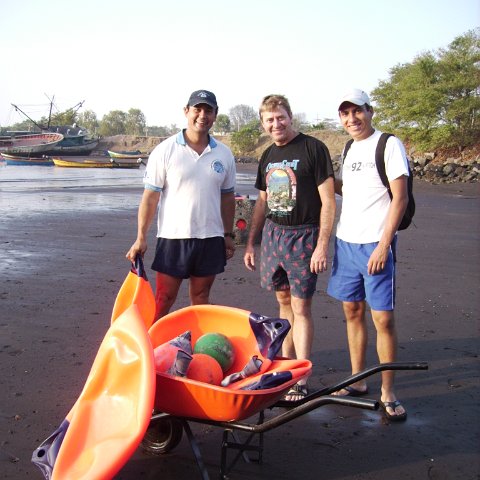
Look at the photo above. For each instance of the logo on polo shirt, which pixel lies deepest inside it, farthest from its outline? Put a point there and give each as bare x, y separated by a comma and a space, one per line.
217, 166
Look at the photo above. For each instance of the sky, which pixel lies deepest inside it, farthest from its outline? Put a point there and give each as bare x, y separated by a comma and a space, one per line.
151, 54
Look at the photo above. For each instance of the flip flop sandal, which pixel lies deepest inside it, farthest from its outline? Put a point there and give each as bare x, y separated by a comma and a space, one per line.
353, 392
393, 406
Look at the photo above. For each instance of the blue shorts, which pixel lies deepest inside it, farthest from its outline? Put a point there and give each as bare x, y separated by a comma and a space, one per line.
350, 281
285, 258
197, 257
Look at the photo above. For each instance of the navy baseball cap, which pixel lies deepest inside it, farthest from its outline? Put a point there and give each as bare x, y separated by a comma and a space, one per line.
202, 96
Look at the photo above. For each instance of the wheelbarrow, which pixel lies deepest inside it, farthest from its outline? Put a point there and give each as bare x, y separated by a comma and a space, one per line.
181, 401
113, 414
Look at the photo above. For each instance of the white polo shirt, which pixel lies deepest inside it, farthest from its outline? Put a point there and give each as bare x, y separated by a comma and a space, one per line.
191, 186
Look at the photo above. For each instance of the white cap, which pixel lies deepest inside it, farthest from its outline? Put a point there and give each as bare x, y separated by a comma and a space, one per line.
355, 96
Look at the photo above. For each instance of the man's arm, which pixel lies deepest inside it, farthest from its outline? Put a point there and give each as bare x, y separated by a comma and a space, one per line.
146, 213
227, 207
319, 261
338, 186
399, 202
256, 226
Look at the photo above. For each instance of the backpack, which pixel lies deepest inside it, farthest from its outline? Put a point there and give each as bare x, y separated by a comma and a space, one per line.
380, 162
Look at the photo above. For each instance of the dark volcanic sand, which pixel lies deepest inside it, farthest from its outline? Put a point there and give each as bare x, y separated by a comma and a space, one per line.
60, 274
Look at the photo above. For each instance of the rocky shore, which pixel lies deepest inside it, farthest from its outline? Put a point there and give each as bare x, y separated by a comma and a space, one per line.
433, 167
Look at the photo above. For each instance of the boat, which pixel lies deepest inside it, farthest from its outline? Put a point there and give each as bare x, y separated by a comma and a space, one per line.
19, 160
76, 140
30, 145
60, 162
87, 163
126, 162
128, 155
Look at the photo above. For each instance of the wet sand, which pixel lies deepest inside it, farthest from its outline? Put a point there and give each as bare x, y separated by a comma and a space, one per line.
61, 271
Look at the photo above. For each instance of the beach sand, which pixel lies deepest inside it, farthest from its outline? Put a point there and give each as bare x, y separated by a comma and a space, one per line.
60, 276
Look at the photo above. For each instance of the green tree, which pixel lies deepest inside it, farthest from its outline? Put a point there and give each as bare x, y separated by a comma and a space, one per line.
135, 122
154, 131
245, 140
23, 126
222, 124
88, 119
241, 115
460, 72
113, 123
434, 101
68, 117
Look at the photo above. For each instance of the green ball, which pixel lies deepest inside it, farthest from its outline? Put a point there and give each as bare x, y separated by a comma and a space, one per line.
217, 346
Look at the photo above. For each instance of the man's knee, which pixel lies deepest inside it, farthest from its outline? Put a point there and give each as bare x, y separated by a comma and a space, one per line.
283, 297
354, 311
384, 320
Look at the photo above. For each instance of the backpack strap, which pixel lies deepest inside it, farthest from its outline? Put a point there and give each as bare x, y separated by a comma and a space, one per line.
380, 159
346, 149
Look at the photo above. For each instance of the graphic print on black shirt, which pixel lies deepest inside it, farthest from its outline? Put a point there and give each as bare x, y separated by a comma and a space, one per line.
281, 188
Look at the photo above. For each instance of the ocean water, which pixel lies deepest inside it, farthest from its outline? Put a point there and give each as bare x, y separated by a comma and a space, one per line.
29, 190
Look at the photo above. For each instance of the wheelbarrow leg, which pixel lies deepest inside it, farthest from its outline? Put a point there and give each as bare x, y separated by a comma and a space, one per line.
196, 450
242, 448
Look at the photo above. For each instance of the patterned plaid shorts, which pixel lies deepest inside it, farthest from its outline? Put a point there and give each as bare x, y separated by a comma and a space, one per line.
285, 258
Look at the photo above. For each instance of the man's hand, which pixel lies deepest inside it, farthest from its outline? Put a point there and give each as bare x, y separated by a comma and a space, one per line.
319, 261
378, 259
138, 248
229, 247
249, 258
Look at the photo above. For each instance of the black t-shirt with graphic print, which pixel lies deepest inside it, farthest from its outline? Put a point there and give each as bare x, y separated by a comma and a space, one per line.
290, 175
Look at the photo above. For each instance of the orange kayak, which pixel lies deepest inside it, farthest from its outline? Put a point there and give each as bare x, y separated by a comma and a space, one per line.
111, 415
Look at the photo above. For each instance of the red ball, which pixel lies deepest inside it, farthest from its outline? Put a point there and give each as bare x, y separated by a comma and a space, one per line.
205, 368
165, 356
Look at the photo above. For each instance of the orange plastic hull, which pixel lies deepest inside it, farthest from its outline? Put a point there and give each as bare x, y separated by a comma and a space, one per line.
113, 411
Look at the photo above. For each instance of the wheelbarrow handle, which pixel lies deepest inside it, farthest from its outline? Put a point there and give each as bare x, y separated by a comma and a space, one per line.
366, 373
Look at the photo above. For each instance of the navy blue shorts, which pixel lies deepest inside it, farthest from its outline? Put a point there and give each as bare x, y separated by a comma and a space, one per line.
196, 257
350, 281
285, 258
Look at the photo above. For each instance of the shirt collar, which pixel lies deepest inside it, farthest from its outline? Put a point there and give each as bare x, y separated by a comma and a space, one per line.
181, 139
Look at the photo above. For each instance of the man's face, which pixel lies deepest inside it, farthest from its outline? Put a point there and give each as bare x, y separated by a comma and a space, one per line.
201, 117
356, 120
278, 125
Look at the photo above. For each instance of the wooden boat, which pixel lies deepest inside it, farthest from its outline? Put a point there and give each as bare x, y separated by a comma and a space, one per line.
128, 155
60, 162
20, 160
87, 163
77, 141
126, 162
34, 144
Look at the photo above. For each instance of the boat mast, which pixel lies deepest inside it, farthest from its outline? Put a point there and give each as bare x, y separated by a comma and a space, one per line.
18, 109
50, 112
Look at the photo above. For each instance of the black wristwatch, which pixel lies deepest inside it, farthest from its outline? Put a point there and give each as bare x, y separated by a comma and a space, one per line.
229, 234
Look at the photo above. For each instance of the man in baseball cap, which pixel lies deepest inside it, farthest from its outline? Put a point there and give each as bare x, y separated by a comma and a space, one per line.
355, 96
190, 186
202, 96
363, 269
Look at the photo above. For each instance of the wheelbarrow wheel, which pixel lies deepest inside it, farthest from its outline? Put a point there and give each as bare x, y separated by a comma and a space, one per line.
162, 436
